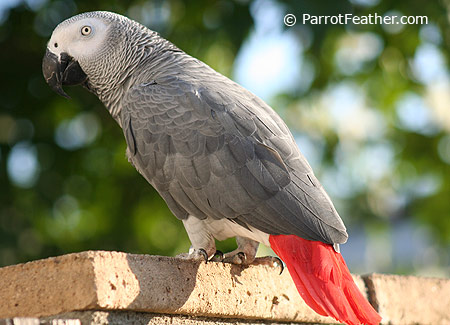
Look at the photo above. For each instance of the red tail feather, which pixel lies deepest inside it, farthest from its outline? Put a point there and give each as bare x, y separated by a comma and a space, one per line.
323, 280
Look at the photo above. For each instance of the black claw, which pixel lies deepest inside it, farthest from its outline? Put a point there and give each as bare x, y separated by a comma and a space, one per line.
239, 258
272, 261
198, 253
218, 256
205, 255
280, 263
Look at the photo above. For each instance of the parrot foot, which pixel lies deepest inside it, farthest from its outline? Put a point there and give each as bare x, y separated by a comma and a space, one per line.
196, 254
244, 254
271, 261
217, 257
238, 258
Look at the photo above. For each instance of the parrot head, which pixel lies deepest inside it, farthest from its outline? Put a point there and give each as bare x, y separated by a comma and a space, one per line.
99, 50
70, 44
80, 48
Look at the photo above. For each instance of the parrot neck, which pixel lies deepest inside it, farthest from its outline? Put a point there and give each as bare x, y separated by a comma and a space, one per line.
150, 62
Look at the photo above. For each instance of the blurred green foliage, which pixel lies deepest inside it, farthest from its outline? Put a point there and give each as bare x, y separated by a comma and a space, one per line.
70, 195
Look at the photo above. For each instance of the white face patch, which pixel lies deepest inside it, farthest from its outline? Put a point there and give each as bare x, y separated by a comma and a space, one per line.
80, 39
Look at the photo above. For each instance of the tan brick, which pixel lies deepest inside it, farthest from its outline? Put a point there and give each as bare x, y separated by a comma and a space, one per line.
48, 287
130, 317
411, 300
119, 281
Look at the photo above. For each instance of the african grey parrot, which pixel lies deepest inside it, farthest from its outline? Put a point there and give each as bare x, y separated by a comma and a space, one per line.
222, 159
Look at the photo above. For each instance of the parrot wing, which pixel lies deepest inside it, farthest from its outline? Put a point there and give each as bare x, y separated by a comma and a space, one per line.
213, 149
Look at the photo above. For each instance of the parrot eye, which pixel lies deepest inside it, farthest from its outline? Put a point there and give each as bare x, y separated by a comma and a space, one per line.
86, 30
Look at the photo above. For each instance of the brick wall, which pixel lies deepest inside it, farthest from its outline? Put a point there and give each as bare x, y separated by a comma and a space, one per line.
99, 287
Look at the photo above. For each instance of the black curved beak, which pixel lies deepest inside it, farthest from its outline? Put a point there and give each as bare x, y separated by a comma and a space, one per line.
64, 71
